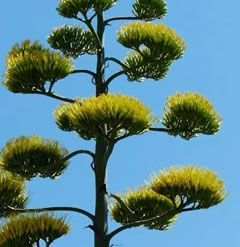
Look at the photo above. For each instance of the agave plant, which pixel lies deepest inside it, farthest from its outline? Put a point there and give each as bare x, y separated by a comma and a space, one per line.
105, 119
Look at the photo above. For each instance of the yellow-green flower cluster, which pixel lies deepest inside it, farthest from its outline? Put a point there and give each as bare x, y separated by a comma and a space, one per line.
169, 193
157, 37
29, 230
71, 8
143, 66
198, 187
111, 115
155, 47
144, 204
34, 156
72, 41
149, 9
189, 114
30, 66
12, 193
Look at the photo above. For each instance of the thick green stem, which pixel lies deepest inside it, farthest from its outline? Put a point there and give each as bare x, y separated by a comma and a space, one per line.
100, 73
102, 152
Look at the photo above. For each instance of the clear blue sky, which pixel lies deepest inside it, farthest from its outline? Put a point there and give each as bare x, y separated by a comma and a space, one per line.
210, 66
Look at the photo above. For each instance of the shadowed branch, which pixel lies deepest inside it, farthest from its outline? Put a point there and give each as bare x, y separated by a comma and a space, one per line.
121, 18
69, 156
50, 209
121, 202
55, 96
84, 71
161, 130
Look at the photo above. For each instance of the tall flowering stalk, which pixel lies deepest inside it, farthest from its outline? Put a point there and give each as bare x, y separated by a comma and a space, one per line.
106, 118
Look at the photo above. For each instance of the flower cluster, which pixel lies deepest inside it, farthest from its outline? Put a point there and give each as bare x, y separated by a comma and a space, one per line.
72, 41
155, 47
110, 115
198, 187
30, 66
149, 9
12, 193
189, 114
34, 156
71, 8
29, 230
169, 193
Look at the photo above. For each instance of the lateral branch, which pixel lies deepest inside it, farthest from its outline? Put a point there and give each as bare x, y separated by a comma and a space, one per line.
142, 222
123, 205
50, 209
121, 18
126, 68
69, 156
161, 130
55, 96
84, 71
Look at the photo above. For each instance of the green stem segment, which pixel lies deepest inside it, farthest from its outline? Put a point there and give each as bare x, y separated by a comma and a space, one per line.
103, 150
100, 73
101, 207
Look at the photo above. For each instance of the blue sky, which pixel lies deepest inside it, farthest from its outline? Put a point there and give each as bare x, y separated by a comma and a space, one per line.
210, 66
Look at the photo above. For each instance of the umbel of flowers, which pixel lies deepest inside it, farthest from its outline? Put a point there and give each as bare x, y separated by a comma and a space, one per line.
105, 119
28, 230
122, 116
169, 193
